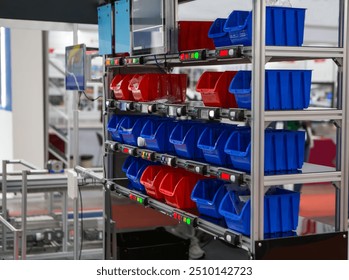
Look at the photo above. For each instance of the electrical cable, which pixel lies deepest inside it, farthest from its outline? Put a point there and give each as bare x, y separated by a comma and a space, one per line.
88, 98
158, 65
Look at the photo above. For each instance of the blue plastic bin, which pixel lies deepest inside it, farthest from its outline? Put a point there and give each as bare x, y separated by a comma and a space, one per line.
156, 133
127, 163
184, 138
217, 33
284, 89
284, 150
284, 27
208, 195
212, 141
281, 209
130, 129
135, 171
113, 126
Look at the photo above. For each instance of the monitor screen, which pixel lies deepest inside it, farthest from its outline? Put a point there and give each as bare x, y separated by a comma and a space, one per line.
75, 59
148, 27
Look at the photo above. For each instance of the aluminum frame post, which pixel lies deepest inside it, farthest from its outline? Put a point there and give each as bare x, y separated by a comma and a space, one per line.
16, 245
65, 222
257, 158
4, 203
76, 227
24, 213
343, 148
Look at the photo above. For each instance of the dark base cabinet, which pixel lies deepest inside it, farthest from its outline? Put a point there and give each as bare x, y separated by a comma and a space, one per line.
331, 246
155, 244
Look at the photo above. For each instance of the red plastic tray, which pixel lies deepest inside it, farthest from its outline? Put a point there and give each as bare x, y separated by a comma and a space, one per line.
119, 85
214, 89
177, 187
151, 180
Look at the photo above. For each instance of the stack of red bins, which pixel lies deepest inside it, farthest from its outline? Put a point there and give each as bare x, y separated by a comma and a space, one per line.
214, 89
172, 185
150, 87
119, 86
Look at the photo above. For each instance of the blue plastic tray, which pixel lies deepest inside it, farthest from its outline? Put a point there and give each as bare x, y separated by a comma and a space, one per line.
135, 171
281, 209
113, 126
127, 163
184, 138
284, 150
284, 27
219, 36
212, 141
208, 195
284, 89
130, 129
156, 133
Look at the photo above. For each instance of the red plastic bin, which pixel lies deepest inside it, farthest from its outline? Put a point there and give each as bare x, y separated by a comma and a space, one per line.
214, 89
150, 87
177, 187
193, 35
152, 178
119, 85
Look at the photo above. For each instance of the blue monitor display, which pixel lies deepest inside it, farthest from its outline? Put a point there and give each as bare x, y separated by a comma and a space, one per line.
75, 58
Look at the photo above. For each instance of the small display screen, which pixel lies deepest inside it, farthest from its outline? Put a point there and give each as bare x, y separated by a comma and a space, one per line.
75, 57
148, 24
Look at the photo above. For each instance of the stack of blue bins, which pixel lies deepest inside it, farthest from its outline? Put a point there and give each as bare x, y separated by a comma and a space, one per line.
134, 168
184, 138
284, 27
208, 195
284, 150
281, 210
156, 132
284, 89
113, 127
212, 142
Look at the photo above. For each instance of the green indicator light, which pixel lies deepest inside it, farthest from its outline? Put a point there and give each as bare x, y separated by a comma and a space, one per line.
141, 200
196, 55
188, 221
112, 62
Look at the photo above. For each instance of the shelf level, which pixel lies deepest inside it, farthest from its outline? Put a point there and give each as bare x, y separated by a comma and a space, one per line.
217, 113
243, 56
310, 173
195, 221
174, 161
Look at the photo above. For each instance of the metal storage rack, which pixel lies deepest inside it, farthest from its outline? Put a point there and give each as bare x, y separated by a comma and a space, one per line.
319, 246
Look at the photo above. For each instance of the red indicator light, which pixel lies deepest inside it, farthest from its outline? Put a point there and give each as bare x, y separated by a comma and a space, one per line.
187, 56
225, 176
182, 56
175, 215
223, 53
125, 150
116, 61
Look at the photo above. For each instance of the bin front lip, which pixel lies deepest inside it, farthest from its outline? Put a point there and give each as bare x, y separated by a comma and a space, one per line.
240, 91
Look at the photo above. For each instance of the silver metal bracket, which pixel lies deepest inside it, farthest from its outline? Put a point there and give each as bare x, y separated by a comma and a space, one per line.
338, 61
